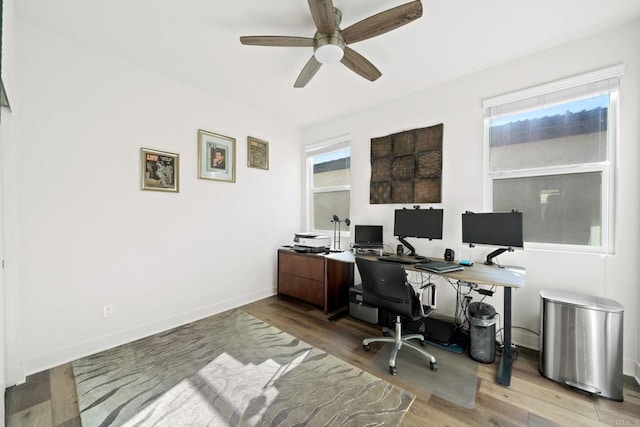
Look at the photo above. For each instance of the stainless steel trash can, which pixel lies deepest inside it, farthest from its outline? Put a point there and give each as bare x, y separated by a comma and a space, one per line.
581, 342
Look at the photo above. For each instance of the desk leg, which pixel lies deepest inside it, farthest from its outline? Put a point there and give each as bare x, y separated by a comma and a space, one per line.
506, 361
338, 314
344, 296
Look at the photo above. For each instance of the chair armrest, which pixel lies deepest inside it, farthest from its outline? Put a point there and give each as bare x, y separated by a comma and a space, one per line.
431, 288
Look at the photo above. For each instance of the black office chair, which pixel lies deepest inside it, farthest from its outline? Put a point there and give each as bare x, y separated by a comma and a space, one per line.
385, 286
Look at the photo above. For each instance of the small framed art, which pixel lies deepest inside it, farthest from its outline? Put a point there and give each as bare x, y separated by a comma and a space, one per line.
216, 157
257, 153
159, 170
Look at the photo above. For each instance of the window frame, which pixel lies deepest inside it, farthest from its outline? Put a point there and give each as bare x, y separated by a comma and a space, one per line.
606, 167
311, 151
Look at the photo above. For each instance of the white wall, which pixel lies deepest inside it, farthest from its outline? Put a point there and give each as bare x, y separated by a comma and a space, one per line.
7, 236
88, 236
457, 104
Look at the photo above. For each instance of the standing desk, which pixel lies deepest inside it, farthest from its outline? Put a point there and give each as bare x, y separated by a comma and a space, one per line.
508, 278
491, 275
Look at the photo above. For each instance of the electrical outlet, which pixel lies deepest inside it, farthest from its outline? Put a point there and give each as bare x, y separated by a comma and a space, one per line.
108, 310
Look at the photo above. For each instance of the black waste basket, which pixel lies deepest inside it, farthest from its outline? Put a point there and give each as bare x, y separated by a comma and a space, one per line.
482, 332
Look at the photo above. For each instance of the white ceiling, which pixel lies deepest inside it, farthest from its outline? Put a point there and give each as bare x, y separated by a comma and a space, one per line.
197, 41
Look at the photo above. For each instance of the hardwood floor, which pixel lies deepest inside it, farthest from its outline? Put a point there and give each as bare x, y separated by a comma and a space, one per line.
49, 398
46, 399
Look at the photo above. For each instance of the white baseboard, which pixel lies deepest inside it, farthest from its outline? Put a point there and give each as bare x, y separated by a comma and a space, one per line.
525, 339
628, 367
86, 348
16, 375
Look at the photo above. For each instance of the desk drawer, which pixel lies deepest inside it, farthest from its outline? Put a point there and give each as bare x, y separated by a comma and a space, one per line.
311, 291
310, 267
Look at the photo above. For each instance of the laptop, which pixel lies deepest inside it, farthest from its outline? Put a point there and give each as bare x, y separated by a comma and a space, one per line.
368, 237
439, 267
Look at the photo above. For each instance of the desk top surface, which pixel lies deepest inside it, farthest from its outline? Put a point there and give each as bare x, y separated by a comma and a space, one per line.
481, 274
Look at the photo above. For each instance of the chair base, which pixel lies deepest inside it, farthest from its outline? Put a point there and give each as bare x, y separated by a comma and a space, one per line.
398, 340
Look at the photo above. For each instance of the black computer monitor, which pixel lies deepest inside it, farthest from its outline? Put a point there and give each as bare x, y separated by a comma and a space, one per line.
493, 229
420, 223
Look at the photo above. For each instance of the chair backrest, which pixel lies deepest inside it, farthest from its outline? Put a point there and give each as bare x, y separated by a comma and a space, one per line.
384, 285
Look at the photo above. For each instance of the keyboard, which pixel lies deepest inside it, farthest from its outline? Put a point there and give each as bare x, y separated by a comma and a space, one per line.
439, 266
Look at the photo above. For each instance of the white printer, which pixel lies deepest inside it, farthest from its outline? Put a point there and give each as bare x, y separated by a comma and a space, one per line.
311, 242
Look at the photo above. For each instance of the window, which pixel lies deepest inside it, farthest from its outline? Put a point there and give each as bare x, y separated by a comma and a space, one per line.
328, 184
550, 152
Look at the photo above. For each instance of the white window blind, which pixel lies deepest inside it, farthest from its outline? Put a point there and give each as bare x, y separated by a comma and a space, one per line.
550, 152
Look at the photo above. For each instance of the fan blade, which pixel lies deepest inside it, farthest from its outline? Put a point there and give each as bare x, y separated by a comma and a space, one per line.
323, 15
382, 22
359, 64
284, 41
309, 70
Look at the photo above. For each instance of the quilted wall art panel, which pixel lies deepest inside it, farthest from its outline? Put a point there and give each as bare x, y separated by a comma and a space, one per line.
406, 167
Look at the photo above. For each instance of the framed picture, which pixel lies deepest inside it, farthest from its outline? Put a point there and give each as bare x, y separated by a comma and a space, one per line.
216, 157
159, 170
257, 153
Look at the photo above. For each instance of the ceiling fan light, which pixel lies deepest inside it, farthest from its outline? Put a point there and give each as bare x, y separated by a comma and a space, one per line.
329, 54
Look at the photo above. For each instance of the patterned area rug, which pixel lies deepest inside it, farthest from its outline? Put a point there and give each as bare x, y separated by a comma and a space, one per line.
230, 369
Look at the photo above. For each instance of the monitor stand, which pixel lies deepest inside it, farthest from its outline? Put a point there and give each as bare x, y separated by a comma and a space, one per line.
495, 253
412, 250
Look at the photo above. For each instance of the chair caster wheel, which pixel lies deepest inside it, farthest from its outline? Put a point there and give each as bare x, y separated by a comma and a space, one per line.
433, 366
366, 347
393, 370
386, 334
423, 343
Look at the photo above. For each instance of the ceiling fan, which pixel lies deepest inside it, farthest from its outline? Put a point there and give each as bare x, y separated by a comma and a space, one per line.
330, 42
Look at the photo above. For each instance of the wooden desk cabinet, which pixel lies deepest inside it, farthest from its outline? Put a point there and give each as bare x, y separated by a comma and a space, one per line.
315, 279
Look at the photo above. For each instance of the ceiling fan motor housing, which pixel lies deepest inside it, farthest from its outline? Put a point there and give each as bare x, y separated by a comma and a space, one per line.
329, 48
